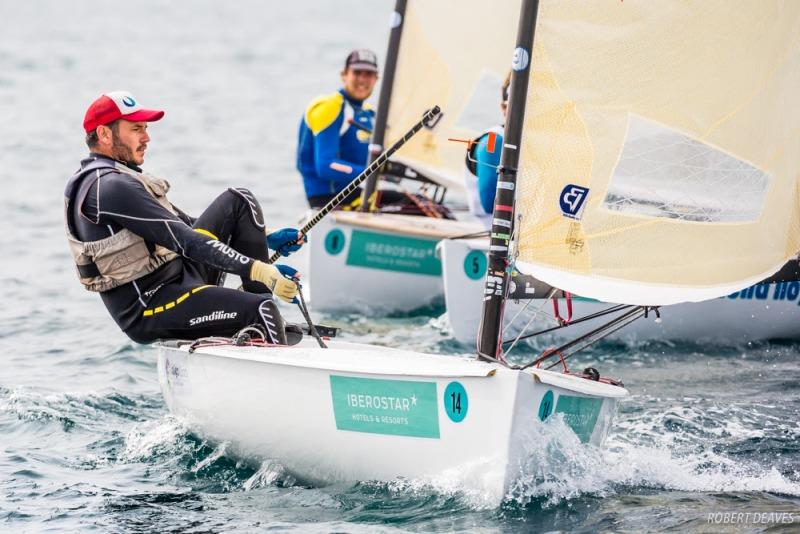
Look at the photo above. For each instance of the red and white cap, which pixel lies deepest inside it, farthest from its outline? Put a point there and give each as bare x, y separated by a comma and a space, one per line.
117, 105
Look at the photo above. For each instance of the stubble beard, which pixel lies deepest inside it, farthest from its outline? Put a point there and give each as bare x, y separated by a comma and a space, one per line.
122, 152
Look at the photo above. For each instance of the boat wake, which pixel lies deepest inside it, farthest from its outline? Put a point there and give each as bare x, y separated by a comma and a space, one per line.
269, 473
152, 439
557, 468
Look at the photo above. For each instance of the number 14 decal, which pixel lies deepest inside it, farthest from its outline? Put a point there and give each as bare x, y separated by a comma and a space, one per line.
456, 397
456, 402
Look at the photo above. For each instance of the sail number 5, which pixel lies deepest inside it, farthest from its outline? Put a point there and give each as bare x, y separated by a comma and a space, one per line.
475, 264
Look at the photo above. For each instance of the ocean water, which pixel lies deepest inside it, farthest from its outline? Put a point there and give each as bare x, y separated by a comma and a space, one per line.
86, 442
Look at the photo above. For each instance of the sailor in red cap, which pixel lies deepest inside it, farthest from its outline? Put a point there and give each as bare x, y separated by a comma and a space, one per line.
116, 125
157, 269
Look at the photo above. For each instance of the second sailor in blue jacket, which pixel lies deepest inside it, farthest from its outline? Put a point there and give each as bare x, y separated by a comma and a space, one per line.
333, 140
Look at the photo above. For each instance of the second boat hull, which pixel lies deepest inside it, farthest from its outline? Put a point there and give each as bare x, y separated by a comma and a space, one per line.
762, 312
378, 263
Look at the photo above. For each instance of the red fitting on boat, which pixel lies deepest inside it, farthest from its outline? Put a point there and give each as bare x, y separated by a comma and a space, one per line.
557, 311
568, 298
547, 353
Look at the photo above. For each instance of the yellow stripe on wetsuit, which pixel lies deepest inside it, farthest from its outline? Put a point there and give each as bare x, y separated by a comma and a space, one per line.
205, 232
172, 304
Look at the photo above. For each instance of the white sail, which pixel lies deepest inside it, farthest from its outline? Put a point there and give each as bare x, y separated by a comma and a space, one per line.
455, 55
660, 155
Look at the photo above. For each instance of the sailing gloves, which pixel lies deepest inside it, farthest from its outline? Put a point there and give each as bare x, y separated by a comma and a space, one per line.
292, 274
286, 240
272, 277
280, 279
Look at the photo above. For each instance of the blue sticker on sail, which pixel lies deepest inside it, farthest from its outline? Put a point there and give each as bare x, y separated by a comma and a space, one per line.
573, 200
456, 402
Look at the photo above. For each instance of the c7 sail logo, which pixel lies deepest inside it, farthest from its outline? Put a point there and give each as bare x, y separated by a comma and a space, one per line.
573, 200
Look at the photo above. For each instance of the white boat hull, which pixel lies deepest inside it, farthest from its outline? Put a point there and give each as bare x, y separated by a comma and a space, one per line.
355, 412
378, 263
768, 311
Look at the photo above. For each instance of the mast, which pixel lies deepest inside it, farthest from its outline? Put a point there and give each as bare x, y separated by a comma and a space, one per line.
489, 343
376, 146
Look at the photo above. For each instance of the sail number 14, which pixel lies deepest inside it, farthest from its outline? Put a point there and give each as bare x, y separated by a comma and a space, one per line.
456, 402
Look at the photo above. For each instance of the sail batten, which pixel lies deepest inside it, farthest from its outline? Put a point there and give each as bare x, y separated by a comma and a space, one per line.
660, 156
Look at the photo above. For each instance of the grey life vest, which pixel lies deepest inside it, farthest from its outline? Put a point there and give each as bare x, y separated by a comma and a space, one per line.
124, 256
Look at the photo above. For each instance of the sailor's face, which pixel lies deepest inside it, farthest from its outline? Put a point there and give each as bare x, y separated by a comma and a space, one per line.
359, 83
130, 142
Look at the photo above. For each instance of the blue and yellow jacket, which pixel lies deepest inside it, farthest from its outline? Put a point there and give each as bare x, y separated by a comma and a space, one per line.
331, 149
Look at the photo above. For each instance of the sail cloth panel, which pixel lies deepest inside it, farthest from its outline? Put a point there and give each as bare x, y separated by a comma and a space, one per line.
446, 50
661, 152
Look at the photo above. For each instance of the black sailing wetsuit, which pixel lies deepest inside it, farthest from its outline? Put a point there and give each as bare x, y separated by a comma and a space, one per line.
180, 299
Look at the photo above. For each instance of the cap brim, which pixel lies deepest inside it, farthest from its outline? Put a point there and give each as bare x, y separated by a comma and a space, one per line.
363, 66
144, 115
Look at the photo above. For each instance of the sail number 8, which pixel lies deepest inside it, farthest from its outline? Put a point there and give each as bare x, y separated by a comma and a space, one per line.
456, 402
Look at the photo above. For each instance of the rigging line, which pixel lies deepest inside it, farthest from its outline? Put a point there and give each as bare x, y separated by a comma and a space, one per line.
600, 329
513, 242
304, 310
601, 333
605, 335
589, 317
613, 327
519, 312
533, 317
